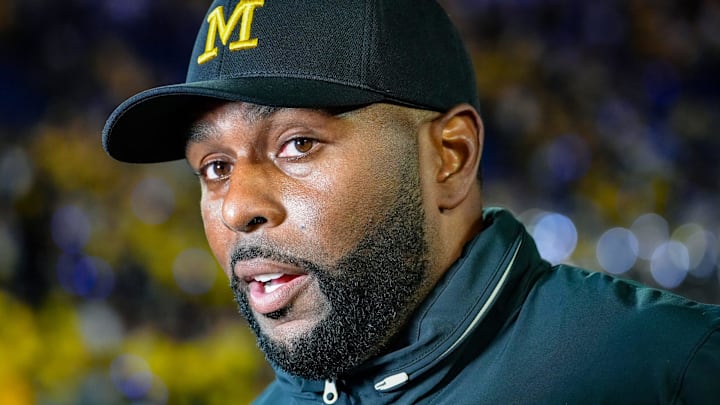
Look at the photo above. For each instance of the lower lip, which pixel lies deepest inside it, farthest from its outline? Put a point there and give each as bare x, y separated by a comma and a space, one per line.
284, 295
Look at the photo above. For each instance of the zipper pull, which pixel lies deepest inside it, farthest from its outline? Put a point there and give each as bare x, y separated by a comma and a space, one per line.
392, 381
330, 396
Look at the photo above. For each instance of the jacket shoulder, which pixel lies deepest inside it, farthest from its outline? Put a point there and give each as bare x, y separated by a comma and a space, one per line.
629, 300
696, 386
637, 313
627, 331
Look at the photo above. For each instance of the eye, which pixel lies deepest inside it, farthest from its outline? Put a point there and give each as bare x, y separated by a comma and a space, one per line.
296, 147
215, 170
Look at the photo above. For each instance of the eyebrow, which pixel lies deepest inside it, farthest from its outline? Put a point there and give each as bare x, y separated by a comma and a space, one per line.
201, 130
256, 112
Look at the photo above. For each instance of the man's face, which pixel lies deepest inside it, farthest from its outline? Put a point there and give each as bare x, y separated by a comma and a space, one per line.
318, 221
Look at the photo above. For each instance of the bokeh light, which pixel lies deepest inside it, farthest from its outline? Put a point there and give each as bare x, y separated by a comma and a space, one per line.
564, 159
601, 112
153, 200
85, 276
555, 236
195, 271
16, 173
702, 247
70, 228
669, 264
617, 250
131, 375
651, 230
97, 388
100, 327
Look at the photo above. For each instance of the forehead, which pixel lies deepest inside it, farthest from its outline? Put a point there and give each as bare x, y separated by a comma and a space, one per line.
205, 125
218, 114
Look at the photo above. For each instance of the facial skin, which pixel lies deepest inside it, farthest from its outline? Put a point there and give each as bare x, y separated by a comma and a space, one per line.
333, 210
367, 294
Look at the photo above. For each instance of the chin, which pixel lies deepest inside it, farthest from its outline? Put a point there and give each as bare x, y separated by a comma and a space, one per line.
285, 330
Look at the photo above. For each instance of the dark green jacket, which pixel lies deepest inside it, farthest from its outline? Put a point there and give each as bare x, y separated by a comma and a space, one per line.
503, 326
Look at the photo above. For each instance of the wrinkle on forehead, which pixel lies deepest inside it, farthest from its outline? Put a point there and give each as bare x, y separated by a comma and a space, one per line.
203, 129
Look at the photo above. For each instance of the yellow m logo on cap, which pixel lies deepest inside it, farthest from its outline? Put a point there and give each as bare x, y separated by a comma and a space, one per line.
218, 25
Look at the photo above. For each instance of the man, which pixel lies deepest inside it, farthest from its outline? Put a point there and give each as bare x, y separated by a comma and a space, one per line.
337, 145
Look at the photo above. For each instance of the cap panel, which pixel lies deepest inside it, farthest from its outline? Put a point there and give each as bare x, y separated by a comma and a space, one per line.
311, 39
433, 69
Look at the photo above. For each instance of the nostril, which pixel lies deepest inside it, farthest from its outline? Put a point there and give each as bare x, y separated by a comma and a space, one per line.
253, 223
257, 221
250, 225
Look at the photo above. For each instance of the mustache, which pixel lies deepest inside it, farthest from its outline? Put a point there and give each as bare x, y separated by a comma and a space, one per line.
244, 253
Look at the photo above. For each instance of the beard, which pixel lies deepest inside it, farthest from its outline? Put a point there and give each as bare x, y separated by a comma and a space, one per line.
370, 293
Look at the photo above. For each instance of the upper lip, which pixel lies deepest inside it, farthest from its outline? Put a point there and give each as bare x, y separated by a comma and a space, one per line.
248, 270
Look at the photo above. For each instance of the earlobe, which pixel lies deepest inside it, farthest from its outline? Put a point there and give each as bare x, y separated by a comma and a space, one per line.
458, 137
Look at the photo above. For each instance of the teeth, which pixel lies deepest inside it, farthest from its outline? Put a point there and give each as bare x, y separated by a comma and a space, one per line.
270, 288
264, 278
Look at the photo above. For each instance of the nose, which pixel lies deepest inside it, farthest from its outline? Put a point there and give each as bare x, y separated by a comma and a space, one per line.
251, 202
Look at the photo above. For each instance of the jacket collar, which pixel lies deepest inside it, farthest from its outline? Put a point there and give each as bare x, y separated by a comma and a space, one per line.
492, 262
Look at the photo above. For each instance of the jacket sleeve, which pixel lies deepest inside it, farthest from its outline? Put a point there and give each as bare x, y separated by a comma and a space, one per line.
701, 383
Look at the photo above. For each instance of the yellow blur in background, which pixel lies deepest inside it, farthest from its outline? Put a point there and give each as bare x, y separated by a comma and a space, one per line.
600, 122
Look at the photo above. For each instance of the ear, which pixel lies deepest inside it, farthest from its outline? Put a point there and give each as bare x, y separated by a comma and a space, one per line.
457, 137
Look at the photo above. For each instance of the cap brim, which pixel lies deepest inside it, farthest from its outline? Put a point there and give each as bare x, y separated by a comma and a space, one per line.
152, 126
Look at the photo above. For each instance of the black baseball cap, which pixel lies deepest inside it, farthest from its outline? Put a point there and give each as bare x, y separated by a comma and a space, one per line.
300, 53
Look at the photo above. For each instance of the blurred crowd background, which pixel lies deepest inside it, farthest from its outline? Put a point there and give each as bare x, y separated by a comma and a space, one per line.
600, 121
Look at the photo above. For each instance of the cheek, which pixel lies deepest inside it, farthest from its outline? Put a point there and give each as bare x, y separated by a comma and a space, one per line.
351, 202
215, 231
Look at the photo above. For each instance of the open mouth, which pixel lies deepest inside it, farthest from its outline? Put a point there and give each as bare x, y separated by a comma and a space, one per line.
272, 292
271, 282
